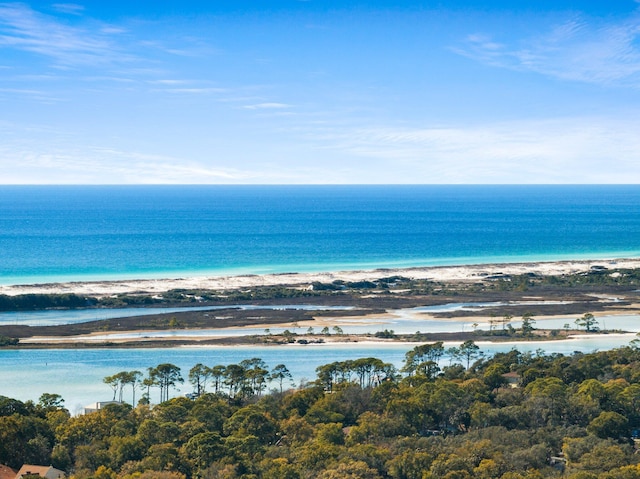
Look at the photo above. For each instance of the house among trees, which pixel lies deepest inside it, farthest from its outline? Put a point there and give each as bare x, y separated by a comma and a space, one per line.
96, 406
47, 472
512, 379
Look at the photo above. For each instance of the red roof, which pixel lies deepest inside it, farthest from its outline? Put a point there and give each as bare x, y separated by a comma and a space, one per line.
7, 473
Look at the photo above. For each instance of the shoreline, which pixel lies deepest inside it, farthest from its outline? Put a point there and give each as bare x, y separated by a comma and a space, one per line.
159, 342
454, 273
348, 340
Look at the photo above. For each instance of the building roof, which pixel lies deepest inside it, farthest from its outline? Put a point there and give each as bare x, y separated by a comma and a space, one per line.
7, 473
43, 471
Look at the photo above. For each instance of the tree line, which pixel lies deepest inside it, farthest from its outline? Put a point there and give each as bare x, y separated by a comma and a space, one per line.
247, 379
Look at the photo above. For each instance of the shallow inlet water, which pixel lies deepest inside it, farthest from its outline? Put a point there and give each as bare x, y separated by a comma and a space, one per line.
55, 317
77, 374
401, 321
408, 325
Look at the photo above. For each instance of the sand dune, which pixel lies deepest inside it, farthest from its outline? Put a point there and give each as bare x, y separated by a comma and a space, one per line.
438, 273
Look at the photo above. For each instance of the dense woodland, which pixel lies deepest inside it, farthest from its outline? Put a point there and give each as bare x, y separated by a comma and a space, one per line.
447, 414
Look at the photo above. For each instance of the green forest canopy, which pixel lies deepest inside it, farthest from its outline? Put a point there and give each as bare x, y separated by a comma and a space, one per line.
574, 414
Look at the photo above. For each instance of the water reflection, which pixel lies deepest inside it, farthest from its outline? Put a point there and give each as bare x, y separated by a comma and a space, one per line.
402, 321
72, 316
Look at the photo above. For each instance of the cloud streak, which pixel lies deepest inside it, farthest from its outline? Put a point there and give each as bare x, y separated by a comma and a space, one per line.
571, 150
267, 106
25, 29
578, 49
563, 150
69, 8
100, 165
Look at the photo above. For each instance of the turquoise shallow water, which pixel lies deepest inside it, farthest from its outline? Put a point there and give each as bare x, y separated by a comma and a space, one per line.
52, 233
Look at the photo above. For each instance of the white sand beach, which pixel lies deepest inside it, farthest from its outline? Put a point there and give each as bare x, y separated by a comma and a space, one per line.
436, 273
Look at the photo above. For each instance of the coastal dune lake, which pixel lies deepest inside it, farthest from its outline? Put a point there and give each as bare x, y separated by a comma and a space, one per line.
92, 233
76, 374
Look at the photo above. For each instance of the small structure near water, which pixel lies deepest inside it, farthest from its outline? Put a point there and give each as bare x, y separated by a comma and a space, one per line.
96, 406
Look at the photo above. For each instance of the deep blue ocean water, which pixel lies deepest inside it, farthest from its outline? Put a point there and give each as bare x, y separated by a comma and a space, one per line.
53, 233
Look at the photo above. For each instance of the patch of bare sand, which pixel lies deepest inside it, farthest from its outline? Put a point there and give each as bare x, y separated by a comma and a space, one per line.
378, 319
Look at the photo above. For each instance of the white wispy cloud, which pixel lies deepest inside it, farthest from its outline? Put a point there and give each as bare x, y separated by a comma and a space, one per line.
40, 96
579, 49
183, 46
112, 30
136, 167
21, 91
99, 165
70, 8
562, 150
569, 150
194, 90
266, 106
26, 29
168, 81
186, 87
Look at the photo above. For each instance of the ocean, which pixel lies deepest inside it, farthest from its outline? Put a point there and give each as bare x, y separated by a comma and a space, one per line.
61, 233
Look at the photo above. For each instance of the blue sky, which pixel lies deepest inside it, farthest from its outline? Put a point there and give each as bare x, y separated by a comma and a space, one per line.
319, 91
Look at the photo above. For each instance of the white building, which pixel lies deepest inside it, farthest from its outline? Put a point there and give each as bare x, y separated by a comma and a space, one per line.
96, 406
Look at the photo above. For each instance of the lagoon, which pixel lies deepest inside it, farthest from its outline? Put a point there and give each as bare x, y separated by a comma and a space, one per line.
55, 317
401, 321
76, 374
